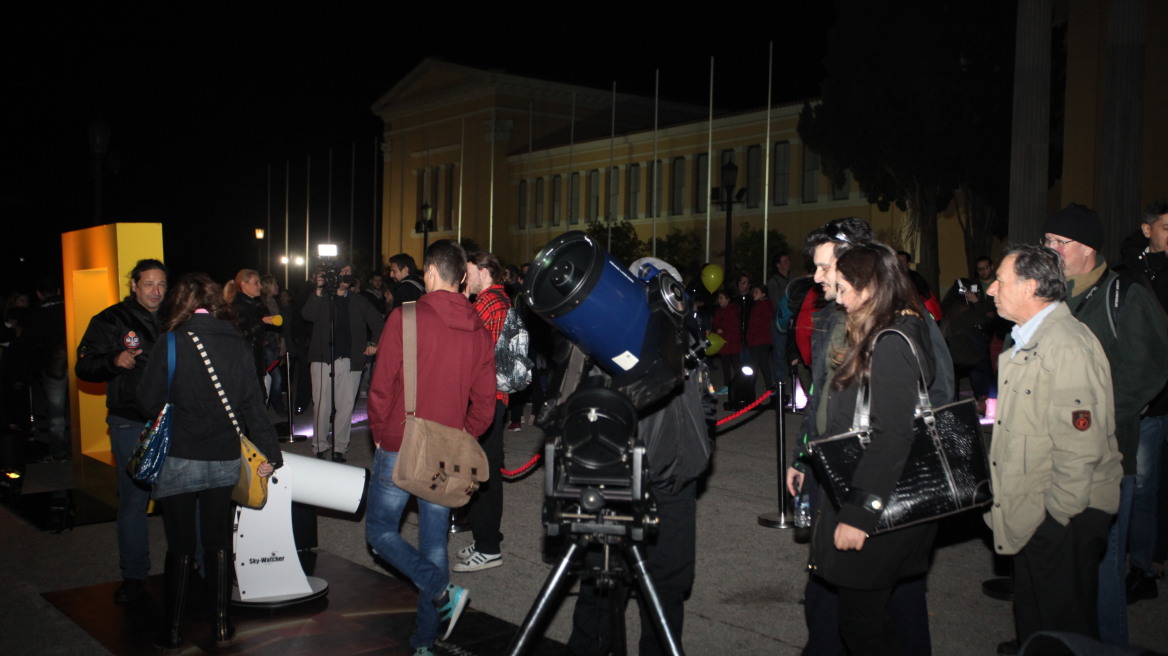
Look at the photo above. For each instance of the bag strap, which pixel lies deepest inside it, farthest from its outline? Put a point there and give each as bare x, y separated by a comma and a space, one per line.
215, 381
861, 421
410, 354
169, 363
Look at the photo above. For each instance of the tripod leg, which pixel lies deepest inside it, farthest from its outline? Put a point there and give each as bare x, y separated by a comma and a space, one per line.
635, 558
525, 638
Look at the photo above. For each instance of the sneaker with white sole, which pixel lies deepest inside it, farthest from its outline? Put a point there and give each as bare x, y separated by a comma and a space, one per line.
457, 598
466, 552
478, 561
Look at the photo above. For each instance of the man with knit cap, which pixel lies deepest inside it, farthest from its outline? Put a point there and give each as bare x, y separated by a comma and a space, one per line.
1125, 319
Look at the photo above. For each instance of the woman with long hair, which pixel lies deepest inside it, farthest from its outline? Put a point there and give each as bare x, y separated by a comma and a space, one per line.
194, 488
865, 568
243, 295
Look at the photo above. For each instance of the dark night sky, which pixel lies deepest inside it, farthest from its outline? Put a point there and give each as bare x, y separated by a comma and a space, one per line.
199, 110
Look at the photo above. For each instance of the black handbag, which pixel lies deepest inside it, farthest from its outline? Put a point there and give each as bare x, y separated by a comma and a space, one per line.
946, 472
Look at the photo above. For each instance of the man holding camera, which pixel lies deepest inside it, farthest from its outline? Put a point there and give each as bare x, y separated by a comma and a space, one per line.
345, 330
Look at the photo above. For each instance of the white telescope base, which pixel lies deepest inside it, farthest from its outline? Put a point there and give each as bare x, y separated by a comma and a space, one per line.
267, 566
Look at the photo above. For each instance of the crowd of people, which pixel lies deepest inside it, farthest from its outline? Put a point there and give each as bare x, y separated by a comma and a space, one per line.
1067, 354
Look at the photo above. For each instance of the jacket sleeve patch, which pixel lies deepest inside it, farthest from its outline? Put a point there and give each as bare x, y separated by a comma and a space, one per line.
1081, 419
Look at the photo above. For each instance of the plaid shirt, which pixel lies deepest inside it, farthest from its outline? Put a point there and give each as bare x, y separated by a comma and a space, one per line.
492, 305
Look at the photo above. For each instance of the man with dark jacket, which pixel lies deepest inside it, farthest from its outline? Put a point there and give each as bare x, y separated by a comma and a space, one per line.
46, 328
821, 605
114, 351
1130, 326
1145, 258
409, 285
345, 330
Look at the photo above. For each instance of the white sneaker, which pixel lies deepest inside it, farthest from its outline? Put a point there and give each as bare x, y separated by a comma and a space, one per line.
478, 561
466, 552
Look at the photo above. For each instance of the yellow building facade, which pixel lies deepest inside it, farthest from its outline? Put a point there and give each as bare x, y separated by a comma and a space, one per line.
512, 162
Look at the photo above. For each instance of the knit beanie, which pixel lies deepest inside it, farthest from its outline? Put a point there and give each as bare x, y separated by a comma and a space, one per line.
1076, 222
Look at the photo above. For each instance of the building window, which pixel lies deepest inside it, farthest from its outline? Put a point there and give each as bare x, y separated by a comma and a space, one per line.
593, 209
539, 209
557, 200
574, 199
677, 187
613, 193
840, 191
634, 191
753, 176
522, 204
656, 175
810, 175
448, 200
701, 182
781, 173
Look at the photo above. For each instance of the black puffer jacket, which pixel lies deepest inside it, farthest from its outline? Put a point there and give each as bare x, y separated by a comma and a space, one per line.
126, 325
200, 427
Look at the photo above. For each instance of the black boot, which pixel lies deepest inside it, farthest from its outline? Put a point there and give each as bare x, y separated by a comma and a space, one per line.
219, 577
174, 590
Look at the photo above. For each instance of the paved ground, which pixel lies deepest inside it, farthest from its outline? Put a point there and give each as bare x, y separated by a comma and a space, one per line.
746, 599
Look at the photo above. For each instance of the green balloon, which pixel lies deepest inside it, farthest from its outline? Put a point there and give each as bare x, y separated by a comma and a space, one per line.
716, 343
712, 277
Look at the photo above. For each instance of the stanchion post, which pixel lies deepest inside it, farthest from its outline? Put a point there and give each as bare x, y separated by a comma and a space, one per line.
782, 518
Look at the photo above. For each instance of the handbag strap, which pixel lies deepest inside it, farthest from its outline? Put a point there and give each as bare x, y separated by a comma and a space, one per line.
216, 382
169, 363
410, 354
861, 421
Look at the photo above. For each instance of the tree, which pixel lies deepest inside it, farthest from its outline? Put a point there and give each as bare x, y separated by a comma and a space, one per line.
683, 249
916, 104
625, 246
748, 252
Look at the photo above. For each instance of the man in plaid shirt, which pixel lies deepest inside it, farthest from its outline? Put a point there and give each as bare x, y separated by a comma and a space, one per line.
484, 277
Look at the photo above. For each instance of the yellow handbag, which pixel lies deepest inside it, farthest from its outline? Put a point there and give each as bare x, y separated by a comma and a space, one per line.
252, 489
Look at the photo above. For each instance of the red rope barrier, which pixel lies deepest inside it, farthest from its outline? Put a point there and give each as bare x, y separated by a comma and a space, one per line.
765, 395
516, 473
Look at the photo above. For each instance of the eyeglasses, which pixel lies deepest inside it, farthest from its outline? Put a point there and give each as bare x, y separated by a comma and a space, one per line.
1051, 242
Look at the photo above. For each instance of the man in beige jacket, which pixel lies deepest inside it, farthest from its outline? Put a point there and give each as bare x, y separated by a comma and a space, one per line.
1054, 461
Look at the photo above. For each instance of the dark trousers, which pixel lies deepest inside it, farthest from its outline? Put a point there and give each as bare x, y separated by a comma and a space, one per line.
1056, 576
670, 556
904, 608
485, 514
184, 516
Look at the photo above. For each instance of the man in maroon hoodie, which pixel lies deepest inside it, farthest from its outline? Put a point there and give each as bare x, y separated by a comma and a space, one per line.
456, 387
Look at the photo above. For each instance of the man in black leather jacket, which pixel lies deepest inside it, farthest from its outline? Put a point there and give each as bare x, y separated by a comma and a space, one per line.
114, 351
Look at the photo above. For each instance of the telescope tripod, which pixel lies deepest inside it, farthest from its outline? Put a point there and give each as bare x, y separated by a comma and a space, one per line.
553, 589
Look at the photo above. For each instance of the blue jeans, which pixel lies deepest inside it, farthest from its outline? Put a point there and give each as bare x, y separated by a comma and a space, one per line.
1141, 536
133, 536
426, 564
1112, 591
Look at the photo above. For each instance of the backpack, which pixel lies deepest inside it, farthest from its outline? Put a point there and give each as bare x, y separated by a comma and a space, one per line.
512, 366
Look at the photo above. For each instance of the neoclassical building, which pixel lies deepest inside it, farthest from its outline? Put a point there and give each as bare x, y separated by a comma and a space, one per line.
511, 162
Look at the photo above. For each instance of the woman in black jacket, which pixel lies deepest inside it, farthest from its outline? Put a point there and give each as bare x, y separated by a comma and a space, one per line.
203, 464
865, 568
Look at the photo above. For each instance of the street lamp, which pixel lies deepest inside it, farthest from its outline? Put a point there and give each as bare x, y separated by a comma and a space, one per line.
729, 181
425, 224
259, 235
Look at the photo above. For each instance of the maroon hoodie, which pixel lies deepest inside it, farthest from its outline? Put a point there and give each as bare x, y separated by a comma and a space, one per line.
456, 370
